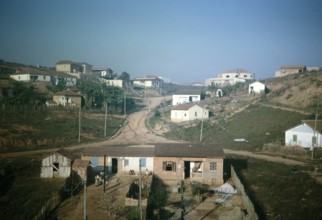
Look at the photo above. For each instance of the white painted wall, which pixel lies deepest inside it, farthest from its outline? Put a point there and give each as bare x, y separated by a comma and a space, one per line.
114, 82
180, 99
256, 88
304, 135
195, 112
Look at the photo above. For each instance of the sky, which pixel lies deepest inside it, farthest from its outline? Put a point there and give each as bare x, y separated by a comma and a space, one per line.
183, 40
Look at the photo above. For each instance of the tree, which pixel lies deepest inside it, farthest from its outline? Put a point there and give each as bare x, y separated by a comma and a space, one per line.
61, 85
125, 76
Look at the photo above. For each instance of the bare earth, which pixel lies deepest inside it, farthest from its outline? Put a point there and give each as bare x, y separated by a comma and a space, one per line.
110, 205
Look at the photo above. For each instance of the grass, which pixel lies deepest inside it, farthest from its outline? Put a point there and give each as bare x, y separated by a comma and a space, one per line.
281, 191
256, 124
28, 130
26, 192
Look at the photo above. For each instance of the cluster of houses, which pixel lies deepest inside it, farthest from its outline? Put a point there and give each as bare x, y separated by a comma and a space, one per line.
168, 161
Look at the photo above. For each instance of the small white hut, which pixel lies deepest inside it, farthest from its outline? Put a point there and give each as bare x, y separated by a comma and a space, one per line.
59, 164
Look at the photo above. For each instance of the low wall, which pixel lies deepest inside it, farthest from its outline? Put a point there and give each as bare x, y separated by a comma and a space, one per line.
251, 213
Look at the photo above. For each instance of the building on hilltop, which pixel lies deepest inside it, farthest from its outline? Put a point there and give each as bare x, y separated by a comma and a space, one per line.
289, 70
68, 66
230, 77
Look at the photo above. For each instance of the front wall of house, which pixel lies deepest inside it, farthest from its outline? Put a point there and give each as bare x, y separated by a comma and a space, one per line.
196, 112
303, 136
124, 164
63, 68
118, 83
207, 176
179, 115
180, 99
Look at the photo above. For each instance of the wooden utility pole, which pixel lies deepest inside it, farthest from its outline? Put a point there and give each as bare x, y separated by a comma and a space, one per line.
79, 124
140, 185
104, 182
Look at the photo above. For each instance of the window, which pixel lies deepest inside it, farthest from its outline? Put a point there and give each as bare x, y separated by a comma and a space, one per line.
313, 140
196, 114
143, 161
126, 162
294, 137
169, 166
213, 166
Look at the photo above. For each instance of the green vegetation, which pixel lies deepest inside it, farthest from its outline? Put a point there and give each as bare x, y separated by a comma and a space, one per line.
23, 192
256, 124
29, 129
281, 191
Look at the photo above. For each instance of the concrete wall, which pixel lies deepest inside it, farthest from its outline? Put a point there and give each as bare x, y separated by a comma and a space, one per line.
180, 99
190, 114
207, 176
252, 215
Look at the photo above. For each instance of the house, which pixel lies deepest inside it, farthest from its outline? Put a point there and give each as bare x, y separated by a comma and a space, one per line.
195, 162
183, 96
120, 159
290, 69
256, 88
31, 77
189, 112
305, 135
45, 78
313, 68
59, 164
68, 98
230, 77
68, 66
103, 72
112, 82
148, 82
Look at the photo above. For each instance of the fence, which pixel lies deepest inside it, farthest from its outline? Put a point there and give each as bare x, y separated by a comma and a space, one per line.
251, 213
48, 206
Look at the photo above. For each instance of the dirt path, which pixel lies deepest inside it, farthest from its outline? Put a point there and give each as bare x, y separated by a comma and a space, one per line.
276, 159
134, 132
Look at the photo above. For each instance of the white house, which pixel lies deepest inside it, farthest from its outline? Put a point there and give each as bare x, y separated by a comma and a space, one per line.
181, 97
256, 88
120, 159
148, 82
230, 77
112, 82
188, 112
305, 134
31, 77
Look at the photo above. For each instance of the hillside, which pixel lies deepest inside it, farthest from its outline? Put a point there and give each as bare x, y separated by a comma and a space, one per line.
298, 91
258, 119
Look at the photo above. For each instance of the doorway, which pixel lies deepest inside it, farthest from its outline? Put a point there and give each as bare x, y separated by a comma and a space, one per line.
187, 169
114, 165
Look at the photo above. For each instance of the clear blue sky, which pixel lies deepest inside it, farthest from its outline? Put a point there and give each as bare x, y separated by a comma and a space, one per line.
186, 40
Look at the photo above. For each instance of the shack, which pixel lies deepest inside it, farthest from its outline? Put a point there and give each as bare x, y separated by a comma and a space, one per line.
59, 164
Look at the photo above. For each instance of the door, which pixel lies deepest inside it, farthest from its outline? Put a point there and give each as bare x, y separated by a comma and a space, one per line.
187, 169
114, 165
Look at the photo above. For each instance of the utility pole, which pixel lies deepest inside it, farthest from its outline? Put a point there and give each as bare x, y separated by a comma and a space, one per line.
201, 125
140, 184
85, 215
104, 182
105, 119
79, 123
124, 102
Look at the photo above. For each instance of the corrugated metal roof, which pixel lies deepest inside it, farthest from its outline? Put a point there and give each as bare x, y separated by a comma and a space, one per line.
67, 154
188, 150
